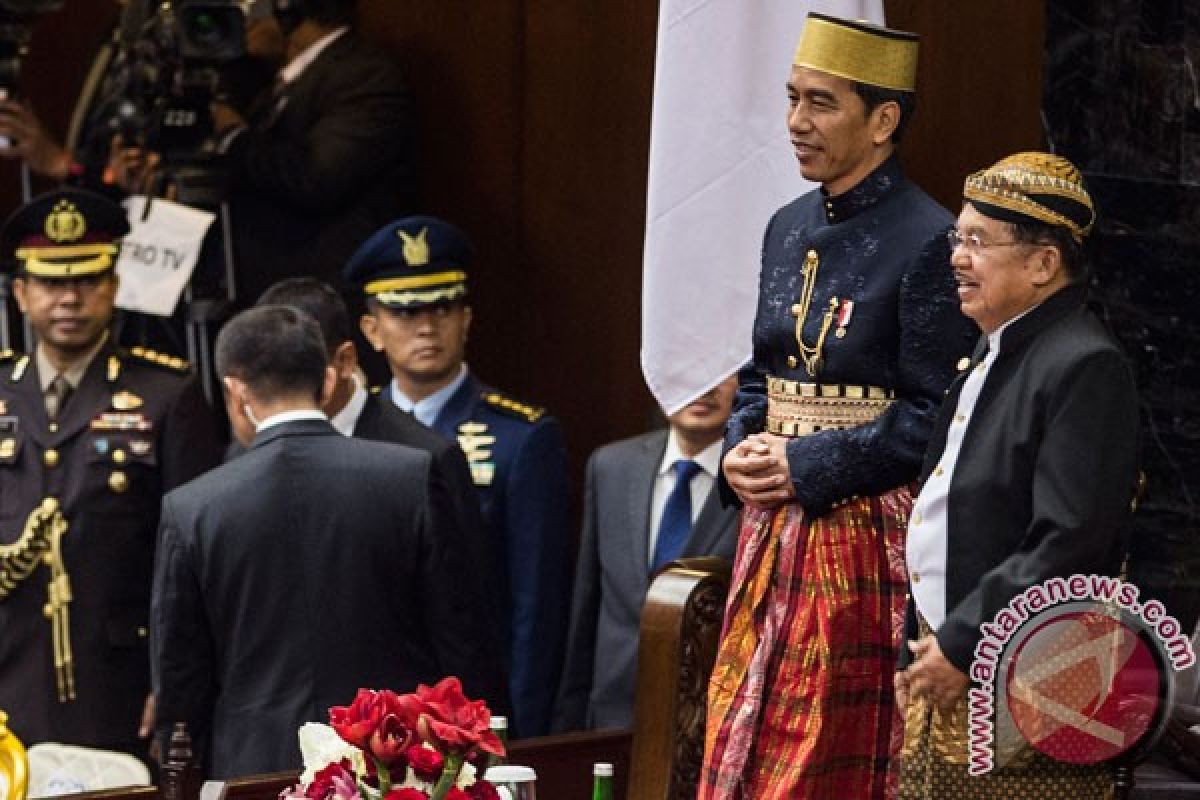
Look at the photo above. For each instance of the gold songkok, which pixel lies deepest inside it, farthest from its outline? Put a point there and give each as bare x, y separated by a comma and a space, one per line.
1038, 186
859, 51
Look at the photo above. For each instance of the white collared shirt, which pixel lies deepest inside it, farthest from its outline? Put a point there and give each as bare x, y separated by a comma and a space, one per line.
426, 410
295, 68
289, 416
709, 460
345, 420
928, 527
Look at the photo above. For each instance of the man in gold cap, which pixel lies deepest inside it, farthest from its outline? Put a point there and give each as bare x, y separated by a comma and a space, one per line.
1030, 470
855, 340
99, 433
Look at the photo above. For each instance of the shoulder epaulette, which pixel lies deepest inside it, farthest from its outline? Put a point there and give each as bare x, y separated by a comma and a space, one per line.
8, 355
516, 408
169, 362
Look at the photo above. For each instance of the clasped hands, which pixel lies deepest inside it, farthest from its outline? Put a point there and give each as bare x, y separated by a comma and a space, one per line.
757, 470
930, 675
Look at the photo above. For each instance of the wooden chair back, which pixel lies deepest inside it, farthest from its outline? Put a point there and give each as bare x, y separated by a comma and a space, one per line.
680, 630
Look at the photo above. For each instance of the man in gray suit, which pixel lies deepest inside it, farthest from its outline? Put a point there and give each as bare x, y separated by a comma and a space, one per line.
649, 500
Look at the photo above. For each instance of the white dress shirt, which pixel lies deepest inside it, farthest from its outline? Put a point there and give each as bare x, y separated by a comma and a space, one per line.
709, 460
289, 416
295, 68
345, 420
928, 527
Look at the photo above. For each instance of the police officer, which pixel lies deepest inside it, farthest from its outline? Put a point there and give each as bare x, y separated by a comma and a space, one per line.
413, 273
96, 434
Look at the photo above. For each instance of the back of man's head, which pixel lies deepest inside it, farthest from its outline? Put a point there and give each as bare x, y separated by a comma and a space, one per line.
277, 351
317, 299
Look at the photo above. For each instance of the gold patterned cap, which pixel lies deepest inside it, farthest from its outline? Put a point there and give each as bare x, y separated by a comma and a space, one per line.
67, 233
859, 51
1038, 186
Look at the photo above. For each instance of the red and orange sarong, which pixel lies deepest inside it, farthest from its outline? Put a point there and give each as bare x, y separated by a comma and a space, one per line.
800, 701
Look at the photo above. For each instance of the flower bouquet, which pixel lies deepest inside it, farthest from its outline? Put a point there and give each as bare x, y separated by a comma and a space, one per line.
427, 745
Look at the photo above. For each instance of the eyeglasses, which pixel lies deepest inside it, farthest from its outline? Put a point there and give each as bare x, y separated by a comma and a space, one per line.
972, 241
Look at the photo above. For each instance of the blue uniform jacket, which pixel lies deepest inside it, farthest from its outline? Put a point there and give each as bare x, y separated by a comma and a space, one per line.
519, 464
881, 245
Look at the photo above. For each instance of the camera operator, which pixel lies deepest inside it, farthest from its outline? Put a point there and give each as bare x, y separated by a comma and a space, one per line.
318, 162
29, 140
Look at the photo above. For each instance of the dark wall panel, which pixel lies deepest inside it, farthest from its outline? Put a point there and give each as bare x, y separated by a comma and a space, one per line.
979, 87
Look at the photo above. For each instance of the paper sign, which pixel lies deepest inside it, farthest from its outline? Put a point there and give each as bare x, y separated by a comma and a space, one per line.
158, 254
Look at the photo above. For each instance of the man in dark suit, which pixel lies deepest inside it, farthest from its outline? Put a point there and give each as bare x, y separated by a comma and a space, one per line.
356, 411
649, 500
101, 432
312, 565
1030, 469
413, 273
325, 158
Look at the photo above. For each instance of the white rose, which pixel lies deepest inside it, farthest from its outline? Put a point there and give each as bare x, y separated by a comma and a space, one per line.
321, 746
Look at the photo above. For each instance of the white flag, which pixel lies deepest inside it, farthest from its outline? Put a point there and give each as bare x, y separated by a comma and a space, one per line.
720, 164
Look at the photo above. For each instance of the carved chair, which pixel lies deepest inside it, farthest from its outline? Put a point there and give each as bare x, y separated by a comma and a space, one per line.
681, 626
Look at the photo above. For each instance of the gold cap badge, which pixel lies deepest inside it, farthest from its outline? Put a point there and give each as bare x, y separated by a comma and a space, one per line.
65, 223
416, 249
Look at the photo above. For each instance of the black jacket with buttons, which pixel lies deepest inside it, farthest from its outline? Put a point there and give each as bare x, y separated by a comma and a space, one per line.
108, 463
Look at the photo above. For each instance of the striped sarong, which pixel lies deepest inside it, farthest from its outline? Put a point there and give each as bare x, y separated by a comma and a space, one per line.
800, 701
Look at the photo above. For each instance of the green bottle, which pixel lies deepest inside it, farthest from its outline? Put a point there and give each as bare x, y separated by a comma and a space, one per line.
499, 726
602, 781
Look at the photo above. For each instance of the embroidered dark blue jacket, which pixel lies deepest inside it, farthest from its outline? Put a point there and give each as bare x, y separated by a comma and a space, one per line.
882, 246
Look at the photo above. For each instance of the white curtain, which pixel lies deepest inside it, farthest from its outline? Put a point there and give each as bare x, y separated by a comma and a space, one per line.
720, 164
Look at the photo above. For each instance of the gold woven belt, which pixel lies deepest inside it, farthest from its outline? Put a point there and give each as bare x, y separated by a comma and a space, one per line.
798, 409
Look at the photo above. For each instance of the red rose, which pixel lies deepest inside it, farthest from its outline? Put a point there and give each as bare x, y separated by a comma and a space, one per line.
452, 722
406, 708
356, 722
456, 793
482, 790
406, 794
335, 780
389, 741
426, 764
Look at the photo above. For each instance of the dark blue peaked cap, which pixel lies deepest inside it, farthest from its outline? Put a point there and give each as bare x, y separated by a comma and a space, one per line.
412, 262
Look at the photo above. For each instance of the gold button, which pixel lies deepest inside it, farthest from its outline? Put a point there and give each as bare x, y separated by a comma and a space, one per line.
142, 632
118, 456
959, 418
811, 255
916, 577
792, 362
979, 367
118, 482
939, 472
963, 363
50, 458
797, 309
54, 427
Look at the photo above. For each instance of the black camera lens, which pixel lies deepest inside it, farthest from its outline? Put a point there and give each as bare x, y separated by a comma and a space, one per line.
211, 32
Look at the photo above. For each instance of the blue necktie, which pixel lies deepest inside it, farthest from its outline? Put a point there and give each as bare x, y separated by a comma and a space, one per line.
676, 523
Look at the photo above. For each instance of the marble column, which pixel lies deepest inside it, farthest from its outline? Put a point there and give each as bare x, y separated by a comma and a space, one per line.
1122, 101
